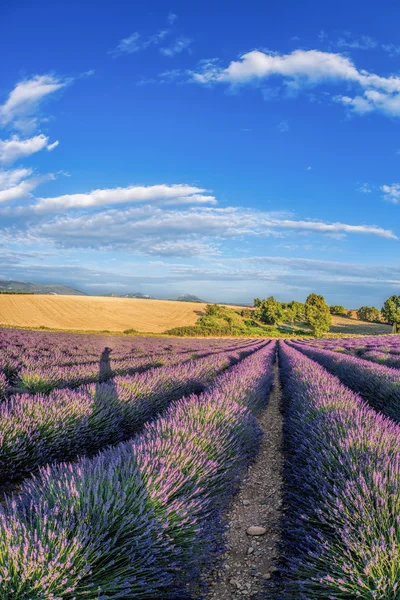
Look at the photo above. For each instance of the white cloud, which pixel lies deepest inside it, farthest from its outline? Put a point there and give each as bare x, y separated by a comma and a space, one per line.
172, 17
283, 126
51, 147
11, 177
195, 231
321, 227
180, 44
364, 42
15, 148
24, 100
391, 49
165, 194
365, 188
20, 186
391, 193
136, 43
307, 69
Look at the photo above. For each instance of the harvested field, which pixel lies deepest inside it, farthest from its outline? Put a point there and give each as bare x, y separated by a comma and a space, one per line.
96, 313
356, 327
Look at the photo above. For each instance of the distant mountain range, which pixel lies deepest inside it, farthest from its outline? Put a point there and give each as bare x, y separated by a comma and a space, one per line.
38, 288
189, 298
132, 295
63, 290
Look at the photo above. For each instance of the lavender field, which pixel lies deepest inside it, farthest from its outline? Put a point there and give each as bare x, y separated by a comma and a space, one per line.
119, 458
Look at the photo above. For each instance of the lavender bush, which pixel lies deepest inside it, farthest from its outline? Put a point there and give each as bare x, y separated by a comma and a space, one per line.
142, 519
343, 477
38, 429
377, 384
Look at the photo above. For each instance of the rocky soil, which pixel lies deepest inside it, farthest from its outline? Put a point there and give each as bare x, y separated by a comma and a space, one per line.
249, 565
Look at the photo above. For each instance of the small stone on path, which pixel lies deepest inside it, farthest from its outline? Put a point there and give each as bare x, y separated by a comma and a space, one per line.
256, 530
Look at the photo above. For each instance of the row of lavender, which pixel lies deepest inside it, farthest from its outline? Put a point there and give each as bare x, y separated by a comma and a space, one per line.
41, 362
383, 350
37, 429
342, 525
143, 519
377, 384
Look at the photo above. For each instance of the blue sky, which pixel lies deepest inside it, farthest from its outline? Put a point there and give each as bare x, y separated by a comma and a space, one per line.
228, 151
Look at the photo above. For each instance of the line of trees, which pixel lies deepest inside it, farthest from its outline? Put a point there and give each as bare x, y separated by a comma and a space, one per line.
316, 313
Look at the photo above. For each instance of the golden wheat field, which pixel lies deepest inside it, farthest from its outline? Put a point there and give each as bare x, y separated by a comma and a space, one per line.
97, 313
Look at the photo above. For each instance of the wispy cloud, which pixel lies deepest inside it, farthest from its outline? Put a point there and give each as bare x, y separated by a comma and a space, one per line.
283, 126
180, 44
178, 194
363, 42
23, 102
136, 43
18, 183
391, 193
15, 147
365, 188
172, 17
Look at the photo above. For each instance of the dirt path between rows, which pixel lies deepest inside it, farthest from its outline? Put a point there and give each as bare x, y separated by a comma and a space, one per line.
249, 564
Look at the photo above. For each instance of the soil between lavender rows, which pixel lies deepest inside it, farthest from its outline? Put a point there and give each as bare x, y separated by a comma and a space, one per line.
248, 565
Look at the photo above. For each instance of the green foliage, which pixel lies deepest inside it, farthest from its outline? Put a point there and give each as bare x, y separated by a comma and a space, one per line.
130, 331
318, 316
337, 309
391, 312
293, 311
270, 311
257, 302
213, 310
369, 313
17, 293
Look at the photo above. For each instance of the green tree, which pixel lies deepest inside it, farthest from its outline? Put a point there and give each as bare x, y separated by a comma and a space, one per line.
318, 316
369, 313
299, 310
257, 302
212, 310
391, 312
270, 311
337, 309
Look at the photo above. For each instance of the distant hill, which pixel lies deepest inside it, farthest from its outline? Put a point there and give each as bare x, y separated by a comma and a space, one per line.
189, 298
132, 295
38, 288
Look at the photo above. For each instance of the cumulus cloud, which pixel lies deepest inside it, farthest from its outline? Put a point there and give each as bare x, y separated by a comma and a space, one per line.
391, 193
15, 147
307, 69
24, 100
166, 194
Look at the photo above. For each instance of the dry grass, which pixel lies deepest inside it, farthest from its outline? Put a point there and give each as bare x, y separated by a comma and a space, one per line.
353, 326
97, 313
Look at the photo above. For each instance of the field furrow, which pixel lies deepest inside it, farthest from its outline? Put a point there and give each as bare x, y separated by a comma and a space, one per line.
143, 519
378, 385
341, 528
38, 429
